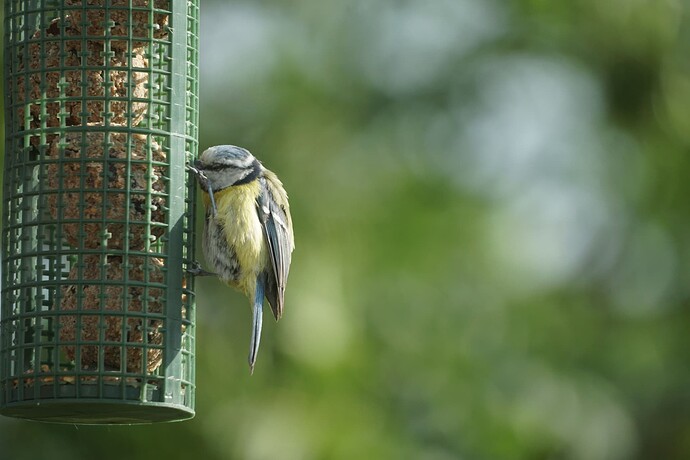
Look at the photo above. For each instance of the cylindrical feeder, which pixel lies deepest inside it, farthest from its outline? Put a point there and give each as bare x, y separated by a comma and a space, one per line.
101, 112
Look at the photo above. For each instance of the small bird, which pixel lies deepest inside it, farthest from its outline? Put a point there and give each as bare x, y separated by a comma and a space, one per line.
247, 239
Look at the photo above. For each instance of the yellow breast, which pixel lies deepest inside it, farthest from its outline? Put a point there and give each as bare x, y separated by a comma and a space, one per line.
242, 228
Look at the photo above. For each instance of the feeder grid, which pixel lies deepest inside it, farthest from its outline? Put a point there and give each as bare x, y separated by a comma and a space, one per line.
101, 113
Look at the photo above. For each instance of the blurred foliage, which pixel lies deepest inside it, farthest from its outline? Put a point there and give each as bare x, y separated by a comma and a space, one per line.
492, 240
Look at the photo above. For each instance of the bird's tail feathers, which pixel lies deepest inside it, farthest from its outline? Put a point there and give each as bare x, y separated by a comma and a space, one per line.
257, 320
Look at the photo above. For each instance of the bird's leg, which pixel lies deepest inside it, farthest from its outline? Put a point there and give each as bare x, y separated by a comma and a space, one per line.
257, 320
196, 270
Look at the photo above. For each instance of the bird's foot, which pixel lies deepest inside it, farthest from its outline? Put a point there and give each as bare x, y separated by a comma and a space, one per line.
195, 269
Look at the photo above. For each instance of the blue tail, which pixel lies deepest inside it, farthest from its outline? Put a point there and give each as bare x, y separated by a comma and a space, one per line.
257, 320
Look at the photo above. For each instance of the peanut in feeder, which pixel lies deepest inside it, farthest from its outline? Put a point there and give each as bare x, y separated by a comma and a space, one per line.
119, 163
116, 75
125, 335
118, 20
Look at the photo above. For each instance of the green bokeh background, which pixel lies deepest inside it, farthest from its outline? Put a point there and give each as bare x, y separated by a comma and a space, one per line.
492, 236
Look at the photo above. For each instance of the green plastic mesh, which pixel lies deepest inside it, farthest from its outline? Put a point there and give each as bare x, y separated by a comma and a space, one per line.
97, 314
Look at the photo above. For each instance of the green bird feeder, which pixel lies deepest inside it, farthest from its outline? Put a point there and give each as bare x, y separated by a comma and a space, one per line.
101, 115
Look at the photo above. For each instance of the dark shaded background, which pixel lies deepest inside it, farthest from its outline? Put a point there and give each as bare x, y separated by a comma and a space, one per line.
492, 231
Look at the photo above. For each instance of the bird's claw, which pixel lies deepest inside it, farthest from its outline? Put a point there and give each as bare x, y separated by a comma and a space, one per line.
195, 269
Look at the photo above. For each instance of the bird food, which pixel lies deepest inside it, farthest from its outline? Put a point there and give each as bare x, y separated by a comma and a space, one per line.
114, 324
112, 86
121, 22
102, 180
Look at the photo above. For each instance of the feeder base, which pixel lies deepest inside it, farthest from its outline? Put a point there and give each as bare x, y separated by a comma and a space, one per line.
97, 412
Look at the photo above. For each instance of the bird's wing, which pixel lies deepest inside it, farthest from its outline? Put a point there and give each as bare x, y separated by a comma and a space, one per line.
274, 213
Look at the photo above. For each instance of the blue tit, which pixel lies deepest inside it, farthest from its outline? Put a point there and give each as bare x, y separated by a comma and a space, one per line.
247, 239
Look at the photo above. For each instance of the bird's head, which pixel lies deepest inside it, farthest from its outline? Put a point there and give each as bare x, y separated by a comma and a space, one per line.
223, 166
